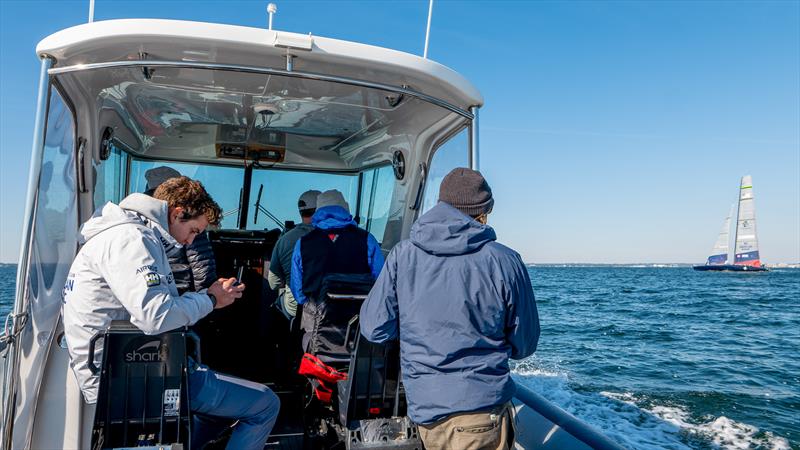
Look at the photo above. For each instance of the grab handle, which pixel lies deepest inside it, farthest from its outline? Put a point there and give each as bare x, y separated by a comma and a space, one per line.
90, 363
352, 324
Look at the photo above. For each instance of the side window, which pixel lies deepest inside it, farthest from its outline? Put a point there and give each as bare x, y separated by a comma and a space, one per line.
110, 177
376, 200
222, 183
453, 153
56, 226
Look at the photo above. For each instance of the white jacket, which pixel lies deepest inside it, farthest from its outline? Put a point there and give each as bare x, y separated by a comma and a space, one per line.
122, 273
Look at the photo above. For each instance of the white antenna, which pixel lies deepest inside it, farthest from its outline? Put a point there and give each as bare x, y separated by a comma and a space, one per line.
428, 30
91, 11
272, 8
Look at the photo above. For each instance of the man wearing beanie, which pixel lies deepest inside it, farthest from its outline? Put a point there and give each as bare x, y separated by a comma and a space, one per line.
335, 246
461, 305
280, 266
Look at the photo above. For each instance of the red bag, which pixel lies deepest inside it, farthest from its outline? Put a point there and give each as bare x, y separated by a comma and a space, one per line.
321, 375
322, 391
313, 367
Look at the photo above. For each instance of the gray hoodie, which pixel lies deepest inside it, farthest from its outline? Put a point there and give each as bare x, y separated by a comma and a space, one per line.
122, 273
461, 305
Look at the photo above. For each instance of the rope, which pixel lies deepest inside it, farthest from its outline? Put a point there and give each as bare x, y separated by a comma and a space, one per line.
18, 322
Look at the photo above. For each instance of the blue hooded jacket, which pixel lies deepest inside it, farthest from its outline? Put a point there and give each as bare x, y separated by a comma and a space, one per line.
461, 304
327, 218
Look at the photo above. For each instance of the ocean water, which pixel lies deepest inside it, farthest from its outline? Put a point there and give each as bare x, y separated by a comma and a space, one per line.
671, 358
662, 357
8, 280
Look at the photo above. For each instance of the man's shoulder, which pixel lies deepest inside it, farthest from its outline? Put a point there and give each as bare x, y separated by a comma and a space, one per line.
499, 248
501, 252
405, 246
288, 236
117, 243
127, 233
291, 236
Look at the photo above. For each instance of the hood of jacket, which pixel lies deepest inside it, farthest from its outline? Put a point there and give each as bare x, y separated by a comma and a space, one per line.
134, 209
329, 217
444, 231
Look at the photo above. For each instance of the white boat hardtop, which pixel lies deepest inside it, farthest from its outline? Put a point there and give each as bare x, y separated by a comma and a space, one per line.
183, 41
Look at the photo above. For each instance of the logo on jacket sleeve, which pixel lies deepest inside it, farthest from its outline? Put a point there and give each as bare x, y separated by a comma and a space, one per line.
68, 287
152, 279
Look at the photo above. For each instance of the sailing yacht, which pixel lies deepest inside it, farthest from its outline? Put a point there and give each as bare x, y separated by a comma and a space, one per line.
746, 257
247, 111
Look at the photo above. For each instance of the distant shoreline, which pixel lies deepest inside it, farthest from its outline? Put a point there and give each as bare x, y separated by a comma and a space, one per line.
649, 265
634, 265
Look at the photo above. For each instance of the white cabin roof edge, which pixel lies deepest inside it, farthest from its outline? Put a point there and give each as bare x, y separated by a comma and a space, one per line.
177, 40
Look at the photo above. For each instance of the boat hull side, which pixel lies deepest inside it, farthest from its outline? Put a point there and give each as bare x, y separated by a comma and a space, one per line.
542, 425
730, 268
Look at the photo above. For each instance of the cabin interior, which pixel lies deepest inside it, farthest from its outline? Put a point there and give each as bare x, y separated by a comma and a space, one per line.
256, 141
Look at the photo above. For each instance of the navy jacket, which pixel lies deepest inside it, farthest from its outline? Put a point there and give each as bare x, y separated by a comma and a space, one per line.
327, 218
462, 305
193, 266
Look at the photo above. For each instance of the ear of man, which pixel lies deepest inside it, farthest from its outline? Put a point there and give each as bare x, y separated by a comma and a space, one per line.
179, 213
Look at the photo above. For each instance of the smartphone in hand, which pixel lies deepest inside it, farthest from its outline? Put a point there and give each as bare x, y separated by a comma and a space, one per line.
239, 276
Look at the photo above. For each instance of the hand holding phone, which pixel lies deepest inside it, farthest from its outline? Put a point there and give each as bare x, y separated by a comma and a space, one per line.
225, 291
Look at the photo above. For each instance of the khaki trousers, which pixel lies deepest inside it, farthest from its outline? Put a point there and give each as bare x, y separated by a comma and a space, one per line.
484, 430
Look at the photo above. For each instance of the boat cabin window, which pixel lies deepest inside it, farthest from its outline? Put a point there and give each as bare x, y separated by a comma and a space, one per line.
56, 226
279, 191
110, 176
222, 182
454, 152
375, 203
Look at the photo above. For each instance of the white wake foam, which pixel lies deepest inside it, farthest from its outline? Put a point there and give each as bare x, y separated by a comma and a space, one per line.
621, 417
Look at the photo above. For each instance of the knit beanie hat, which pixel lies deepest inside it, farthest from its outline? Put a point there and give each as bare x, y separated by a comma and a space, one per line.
332, 198
466, 190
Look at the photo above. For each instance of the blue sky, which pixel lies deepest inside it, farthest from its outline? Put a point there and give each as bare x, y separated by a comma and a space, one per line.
612, 132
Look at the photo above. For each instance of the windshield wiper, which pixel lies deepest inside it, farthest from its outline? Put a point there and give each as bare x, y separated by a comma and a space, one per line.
265, 210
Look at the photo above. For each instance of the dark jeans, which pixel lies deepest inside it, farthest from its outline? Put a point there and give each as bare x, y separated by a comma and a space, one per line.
217, 396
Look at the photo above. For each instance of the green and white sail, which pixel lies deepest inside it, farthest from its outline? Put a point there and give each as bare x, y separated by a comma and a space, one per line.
746, 251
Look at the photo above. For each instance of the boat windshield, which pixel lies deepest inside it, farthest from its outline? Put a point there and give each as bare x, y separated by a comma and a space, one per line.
370, 193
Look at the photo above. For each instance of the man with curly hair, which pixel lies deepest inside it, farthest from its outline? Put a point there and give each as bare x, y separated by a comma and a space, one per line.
193, 266
122, 272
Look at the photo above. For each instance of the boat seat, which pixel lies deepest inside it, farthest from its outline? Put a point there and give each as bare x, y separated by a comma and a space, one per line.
325, 320
372, 402
143, 395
